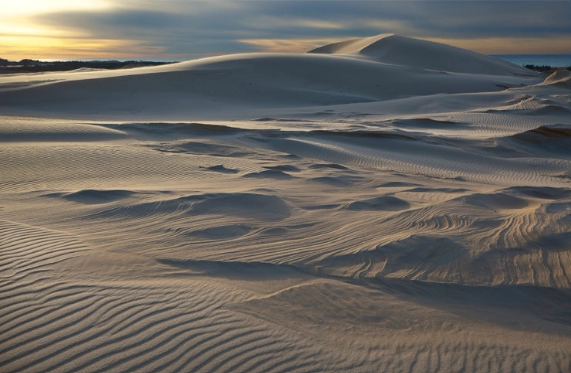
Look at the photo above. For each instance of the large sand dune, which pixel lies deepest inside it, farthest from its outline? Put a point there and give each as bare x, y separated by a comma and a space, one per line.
402, 51
379, 205
240, 85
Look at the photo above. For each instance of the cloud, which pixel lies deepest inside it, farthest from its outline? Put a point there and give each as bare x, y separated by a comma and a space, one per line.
190, 27
475, 19
511, 45
288, 45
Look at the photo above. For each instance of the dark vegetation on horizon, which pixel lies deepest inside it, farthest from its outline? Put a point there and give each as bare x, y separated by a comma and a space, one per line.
543, 68
33, 66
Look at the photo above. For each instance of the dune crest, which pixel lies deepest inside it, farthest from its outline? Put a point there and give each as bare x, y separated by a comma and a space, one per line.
400, 50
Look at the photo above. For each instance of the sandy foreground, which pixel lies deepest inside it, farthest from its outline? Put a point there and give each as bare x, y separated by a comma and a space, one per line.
379, 205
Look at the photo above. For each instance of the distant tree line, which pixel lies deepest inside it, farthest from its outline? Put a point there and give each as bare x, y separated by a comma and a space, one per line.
538, 67
32, 66
541, 68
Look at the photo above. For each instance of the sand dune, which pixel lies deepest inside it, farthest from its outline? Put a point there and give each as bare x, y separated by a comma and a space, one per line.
423, 54
246, 84
381, 204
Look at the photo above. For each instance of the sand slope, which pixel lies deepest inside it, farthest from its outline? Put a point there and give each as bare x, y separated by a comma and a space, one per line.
177, 219
403, 51
240, 85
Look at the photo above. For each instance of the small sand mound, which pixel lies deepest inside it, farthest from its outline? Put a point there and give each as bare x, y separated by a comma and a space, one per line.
222, 169
202, 147
560, 78
244, 205
387, 203
437, 190
247, 205
364, 134
417, 254
397, 184
339, 181
540, 192
335, 166
558, 208
424, 123
497, 201
93, 196
173, 130
552, 132
283, 167
421, 250
550, 138
235, 270
271, 174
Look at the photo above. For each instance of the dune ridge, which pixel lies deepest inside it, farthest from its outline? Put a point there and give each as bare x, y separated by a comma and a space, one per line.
258, 82
400, 50
378, 204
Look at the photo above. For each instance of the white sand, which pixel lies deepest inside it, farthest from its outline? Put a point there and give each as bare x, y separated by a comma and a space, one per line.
380, 205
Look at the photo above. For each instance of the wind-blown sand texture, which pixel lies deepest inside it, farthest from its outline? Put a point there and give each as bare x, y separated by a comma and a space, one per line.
379, 205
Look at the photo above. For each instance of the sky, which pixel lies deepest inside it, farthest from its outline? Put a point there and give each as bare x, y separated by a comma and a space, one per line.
174, 30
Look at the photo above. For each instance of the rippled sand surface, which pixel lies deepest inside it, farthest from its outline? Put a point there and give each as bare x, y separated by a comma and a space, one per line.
346, 210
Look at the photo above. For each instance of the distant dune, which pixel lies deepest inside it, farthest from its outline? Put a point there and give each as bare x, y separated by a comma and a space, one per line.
423, 54
363, 70
382, 204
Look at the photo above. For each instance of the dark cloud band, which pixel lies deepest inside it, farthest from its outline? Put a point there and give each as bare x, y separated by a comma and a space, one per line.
220, 26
